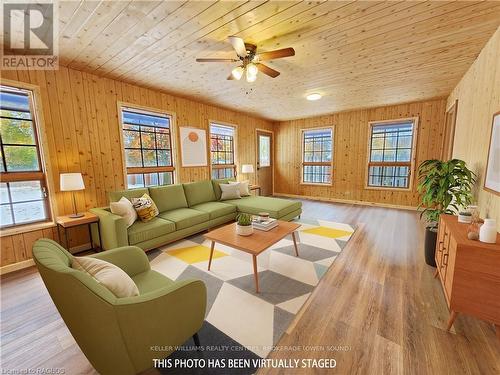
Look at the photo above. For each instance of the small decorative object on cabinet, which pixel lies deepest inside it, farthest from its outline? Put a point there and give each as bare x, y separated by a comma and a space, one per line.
488, 231
469, 272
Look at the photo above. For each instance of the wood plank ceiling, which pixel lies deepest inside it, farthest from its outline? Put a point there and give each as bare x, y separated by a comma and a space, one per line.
357, 54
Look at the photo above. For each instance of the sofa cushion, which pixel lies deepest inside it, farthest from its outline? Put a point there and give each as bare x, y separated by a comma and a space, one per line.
140, 231
108, 275
168, 197
199, 192
185, 217
275, 206
215, 209
230, 191
216, 183
114, 196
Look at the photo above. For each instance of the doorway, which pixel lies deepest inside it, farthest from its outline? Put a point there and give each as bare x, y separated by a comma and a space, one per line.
265, 162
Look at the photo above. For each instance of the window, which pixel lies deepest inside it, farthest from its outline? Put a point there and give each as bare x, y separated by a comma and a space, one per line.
222, 151
147, 140
264, 150
23, 193
317, 156
391, 153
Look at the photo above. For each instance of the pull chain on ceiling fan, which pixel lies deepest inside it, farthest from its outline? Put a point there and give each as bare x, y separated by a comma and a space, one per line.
251, 61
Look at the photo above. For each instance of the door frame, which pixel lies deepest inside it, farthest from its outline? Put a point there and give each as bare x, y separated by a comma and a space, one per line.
257, 130
449, 130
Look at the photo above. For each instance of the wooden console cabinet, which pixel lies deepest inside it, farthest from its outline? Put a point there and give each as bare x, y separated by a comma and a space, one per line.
469, 272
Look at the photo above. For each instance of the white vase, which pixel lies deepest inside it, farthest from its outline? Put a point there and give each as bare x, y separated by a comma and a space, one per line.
244, 230
488, 231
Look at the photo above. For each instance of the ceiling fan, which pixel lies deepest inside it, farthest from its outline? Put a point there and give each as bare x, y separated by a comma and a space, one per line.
251, 60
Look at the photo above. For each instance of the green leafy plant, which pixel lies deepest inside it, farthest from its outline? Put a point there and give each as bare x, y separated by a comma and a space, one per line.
244, 219
446, 186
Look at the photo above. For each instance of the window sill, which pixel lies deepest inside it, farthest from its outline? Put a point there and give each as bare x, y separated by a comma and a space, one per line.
408, 190
26, 228
315, 184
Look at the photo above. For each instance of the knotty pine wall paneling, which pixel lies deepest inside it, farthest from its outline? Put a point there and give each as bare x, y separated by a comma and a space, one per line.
351, 132
478, 95
81, 129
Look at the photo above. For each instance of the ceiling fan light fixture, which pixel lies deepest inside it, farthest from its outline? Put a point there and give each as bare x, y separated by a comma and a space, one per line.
237, 72
313, 96
251, 72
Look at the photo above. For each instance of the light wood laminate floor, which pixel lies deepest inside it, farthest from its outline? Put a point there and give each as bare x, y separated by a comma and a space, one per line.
379, 308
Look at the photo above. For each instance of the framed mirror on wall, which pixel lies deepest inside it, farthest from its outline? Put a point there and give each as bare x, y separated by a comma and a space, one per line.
492, 175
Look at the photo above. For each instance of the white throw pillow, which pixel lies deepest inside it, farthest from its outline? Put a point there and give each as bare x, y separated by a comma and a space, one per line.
107, 274
244, 192
125, 209
230, 191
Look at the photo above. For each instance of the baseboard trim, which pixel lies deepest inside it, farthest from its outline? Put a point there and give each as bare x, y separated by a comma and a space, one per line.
16, 266
347, 201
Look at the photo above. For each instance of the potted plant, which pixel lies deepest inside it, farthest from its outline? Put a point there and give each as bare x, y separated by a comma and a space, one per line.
445, 187
244, 224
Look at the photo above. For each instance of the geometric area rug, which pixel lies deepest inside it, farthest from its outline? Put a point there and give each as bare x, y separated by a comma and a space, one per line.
255, 321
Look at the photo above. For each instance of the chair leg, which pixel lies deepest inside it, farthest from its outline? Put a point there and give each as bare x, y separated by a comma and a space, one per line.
196, 340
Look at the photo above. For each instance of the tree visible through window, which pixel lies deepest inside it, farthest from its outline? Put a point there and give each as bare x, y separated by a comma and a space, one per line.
148, 148
22, 188
390, 154
222, 151
317, 156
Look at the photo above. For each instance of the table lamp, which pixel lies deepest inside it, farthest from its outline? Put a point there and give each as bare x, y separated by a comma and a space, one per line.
247, 168
72, 182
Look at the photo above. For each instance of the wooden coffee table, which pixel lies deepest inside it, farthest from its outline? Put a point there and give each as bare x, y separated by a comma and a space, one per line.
255, 244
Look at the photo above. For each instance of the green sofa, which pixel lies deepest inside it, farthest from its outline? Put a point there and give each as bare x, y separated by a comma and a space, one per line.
121, 335
185, 209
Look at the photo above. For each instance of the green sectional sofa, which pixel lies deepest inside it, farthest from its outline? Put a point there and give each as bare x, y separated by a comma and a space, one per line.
185, 209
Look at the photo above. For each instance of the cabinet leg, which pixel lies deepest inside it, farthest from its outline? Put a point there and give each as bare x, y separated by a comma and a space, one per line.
436, 274
453, 316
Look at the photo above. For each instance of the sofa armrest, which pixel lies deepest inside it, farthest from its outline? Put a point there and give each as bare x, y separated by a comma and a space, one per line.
113, 229
131, 259
153, 324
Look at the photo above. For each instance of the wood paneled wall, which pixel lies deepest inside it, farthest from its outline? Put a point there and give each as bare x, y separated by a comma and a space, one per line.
478, 95
79, 121
351, 133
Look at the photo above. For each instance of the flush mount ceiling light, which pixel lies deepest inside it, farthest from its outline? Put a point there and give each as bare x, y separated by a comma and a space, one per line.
313, 96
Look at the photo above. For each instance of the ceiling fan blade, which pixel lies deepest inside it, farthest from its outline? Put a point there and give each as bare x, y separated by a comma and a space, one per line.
238, 45
267, 70
215, 60
276, 54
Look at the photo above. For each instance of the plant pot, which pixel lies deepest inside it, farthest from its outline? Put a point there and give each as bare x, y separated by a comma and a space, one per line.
244, 230
430, 245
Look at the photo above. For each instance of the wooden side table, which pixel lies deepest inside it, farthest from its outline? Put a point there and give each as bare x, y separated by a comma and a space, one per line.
88, 219
254, 187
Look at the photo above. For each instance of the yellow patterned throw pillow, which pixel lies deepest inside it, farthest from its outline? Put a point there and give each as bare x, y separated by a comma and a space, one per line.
145, 207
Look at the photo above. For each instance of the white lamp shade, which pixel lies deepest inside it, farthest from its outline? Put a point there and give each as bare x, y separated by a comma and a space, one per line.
71, 182
247, 168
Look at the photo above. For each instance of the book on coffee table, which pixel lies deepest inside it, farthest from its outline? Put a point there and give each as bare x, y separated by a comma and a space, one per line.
264, 225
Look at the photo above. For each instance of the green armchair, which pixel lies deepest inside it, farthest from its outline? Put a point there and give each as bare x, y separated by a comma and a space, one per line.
122, 335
